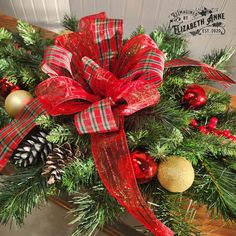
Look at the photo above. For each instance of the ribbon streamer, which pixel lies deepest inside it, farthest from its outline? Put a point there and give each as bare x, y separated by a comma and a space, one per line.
207, 70
12, 134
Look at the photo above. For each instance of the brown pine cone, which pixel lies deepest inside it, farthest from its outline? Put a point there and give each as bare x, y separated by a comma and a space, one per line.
56, 161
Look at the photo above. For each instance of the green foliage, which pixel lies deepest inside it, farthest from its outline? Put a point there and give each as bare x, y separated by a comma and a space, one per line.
227, 120
21, 54
4, 118
171, 209
60, 130
60, 134
215, 186
79, 173
172, 45
139, 30
219, 58
70, 23
5, 36
46, 122
93, 209
20, 193
32, 37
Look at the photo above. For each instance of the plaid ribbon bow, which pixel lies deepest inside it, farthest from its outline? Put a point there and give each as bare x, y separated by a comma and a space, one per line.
98, 80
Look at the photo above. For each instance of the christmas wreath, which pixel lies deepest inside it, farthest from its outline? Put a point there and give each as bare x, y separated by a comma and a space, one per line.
111, 121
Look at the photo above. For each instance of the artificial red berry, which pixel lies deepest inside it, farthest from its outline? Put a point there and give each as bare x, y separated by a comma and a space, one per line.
211, 126
213, 120
226, 133
203, 129
194, 123
232, 137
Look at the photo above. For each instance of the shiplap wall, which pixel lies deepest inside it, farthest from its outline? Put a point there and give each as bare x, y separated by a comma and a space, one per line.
150, 13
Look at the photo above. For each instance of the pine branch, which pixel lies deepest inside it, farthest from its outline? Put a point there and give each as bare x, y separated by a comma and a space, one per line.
5, 36
4, 117
139, 30
21, 74
70, 23
167, 114
60, 134
20, 193
46, 122
173, 45
136, 138
215, 186
30, 35
20, 55
194, 147
170, 209
166, 144
32, 38
93, 209
227, 120
219, 58
79, 173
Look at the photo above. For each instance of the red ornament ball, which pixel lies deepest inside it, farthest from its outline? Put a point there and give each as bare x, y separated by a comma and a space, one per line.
194, 97
7, 87
145, 167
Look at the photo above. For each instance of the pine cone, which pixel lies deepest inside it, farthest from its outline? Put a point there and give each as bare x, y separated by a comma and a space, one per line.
33, 149
57, 159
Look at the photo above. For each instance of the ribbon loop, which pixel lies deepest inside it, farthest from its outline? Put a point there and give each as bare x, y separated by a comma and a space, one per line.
98, 118
101, 81
63, 96
52, 65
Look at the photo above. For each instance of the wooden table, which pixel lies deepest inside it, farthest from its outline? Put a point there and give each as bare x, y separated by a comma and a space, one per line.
205, 224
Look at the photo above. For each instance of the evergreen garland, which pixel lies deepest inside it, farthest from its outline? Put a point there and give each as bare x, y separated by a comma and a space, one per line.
162, 130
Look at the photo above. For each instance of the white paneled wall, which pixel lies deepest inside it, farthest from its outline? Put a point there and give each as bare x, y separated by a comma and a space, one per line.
150, 13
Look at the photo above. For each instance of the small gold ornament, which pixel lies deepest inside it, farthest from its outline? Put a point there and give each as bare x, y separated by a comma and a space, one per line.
16, 101
176, 174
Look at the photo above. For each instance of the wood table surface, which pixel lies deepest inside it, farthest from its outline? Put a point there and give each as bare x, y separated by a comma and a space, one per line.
205, 224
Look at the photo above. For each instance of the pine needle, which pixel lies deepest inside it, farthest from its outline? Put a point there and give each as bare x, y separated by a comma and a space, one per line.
20, 193
70, 23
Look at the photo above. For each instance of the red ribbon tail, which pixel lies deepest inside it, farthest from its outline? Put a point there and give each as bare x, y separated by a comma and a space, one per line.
210, 72
113, 162
12, 134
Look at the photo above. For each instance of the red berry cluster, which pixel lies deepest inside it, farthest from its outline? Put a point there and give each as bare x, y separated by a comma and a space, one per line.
210, 128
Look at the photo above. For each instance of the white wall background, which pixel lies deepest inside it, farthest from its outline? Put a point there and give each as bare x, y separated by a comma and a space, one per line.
150, 13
